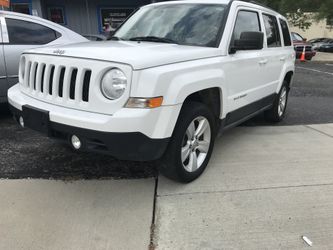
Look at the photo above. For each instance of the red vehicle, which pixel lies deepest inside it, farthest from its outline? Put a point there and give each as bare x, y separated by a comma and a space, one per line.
299, 44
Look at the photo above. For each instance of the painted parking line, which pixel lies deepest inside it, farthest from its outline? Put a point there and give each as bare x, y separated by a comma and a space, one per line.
315, 70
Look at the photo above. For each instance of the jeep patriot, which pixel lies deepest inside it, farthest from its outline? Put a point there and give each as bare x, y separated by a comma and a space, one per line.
173, 77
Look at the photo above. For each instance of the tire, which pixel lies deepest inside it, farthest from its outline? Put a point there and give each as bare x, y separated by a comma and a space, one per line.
182, 168
278, 111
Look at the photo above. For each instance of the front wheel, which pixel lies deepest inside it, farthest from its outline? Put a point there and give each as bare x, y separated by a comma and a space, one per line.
191, 145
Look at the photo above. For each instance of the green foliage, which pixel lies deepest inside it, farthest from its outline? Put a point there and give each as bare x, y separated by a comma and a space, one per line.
297, 10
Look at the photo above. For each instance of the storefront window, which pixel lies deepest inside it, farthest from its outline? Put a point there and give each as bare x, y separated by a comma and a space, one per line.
56, 14
112, 18
21, 8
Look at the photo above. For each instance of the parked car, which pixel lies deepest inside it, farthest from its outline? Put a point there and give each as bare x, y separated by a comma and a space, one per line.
95, 38
327, 47
299, 44
165, 86
20, 32
316, 43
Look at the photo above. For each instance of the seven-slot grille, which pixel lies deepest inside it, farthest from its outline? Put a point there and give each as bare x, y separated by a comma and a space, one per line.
69, 83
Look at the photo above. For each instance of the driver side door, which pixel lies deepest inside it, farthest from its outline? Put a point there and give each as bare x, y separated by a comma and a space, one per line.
245, 70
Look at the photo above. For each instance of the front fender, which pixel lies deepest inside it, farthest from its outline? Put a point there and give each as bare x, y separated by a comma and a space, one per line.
177, 81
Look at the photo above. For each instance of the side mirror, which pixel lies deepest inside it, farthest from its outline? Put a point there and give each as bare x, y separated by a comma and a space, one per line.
248, 41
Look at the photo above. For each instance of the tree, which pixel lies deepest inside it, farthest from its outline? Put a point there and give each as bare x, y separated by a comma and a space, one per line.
298, 11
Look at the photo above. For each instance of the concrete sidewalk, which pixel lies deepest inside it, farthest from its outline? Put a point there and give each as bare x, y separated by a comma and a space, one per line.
81, 215
264, 189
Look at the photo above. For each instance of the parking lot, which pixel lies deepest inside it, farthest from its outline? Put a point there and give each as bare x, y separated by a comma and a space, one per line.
266, 187
24, 153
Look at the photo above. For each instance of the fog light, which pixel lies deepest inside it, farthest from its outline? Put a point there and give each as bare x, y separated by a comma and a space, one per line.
76, 142
21, 121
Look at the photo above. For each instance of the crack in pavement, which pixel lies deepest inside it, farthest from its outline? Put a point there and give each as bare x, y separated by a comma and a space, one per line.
247, 190
317, 130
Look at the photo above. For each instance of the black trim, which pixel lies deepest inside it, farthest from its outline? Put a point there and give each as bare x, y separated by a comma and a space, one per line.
124, 146
245, 113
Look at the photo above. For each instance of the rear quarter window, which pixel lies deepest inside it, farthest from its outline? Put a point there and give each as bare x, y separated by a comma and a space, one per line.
285, 33
28, 33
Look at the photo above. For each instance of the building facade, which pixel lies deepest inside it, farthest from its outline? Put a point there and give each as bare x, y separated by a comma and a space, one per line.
323, 28
82, 16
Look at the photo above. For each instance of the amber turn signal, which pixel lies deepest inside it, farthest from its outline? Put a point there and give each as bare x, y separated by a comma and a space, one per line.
145, 102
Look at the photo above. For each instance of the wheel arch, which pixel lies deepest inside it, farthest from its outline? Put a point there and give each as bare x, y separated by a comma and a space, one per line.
288, 78
211, 97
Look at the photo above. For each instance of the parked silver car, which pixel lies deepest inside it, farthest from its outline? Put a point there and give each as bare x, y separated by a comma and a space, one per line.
318, 42
19, 32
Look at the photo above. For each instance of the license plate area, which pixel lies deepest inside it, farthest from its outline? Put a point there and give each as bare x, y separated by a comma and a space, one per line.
36, 119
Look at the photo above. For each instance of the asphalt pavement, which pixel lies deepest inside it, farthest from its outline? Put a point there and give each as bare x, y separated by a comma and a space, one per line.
25, 154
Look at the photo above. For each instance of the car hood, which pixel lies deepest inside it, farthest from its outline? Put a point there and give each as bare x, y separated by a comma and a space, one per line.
139, 55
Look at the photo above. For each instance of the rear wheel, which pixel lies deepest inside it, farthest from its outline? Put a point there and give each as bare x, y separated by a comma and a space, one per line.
278, 111
191, 145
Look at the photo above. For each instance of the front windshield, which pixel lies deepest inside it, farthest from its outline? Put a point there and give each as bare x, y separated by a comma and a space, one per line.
184, 24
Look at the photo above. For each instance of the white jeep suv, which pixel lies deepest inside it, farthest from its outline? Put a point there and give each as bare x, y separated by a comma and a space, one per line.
175, 75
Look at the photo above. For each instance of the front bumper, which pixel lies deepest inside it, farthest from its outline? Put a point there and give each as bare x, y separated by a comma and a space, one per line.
130, 134
124, 146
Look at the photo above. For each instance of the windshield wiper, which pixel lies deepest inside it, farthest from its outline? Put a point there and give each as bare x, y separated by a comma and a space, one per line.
152, 39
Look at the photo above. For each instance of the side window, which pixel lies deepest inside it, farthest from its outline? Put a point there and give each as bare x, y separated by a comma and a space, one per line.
246, 21
285, 32
272, 31
28, 33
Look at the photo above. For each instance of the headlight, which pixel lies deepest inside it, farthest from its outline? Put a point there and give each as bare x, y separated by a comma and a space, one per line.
114, 83
22, 69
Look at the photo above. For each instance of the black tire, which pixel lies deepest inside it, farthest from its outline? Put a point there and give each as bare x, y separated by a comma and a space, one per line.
171, 164
273, 114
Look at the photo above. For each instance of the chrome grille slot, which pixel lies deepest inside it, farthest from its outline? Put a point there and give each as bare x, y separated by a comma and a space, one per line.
61, 82
42, 78
27, 74
51, 79
32, 75
72, 84
86, 84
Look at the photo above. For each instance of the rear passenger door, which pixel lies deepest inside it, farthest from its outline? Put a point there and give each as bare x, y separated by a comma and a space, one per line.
3, 75
273, 51
23, 35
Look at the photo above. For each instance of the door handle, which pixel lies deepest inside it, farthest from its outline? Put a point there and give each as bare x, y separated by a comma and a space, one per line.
283, 59
263, 62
